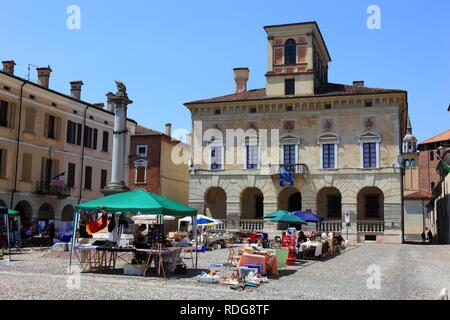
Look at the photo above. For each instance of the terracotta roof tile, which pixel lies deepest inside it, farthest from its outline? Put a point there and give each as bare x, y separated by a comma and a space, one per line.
329, 89
444, 136
419, 195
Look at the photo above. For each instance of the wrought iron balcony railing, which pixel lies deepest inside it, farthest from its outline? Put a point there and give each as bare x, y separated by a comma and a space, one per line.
47, 188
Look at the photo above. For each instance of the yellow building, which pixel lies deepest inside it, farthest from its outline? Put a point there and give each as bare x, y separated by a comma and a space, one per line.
55, 149
301, 143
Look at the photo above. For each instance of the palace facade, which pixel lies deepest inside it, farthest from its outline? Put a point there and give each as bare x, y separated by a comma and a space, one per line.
334, 149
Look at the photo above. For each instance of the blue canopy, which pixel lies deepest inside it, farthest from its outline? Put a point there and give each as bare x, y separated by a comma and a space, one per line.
307, 216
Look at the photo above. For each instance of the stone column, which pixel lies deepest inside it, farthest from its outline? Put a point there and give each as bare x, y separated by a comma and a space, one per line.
121, 102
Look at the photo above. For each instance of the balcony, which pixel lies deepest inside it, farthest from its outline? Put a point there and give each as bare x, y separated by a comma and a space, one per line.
47, 188
299, 168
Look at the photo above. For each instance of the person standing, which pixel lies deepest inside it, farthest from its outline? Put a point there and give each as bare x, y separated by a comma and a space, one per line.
51, 233
430, 237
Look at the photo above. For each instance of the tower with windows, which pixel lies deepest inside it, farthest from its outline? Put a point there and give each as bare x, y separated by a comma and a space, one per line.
410, 159
298, 59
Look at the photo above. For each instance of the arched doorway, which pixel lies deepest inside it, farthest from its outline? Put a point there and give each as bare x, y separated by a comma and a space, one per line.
290, 199
26, 212
252, 204
67, 219
45, 214
329, 203
370, 204
216, 203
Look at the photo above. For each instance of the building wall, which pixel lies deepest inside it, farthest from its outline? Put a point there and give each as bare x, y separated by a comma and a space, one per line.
348, 120
414, 218
35, 143
163, 176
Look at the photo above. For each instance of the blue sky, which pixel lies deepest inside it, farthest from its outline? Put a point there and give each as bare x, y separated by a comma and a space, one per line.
170, 52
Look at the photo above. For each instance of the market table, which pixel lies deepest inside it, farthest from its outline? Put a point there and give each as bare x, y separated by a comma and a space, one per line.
268, 262
108, 256
169, 256
89, 257
309, 245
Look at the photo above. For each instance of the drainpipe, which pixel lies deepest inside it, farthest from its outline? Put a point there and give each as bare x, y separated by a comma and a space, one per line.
82, 154
19, 128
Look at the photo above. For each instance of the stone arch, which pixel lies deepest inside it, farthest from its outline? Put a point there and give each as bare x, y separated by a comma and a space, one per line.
290, 199
3, 203
370, 204
329, 203
67, 213
26, 212
252, 203
216, 203
46, 212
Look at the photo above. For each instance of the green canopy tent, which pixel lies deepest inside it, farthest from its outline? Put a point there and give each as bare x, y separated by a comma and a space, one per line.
7, 213
276, 214
138, 202
288, 218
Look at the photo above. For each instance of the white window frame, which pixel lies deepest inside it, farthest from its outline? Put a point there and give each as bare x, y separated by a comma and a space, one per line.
140, 164
287, 141
369, 137
142, 146
326, 139
210, 147
252, 142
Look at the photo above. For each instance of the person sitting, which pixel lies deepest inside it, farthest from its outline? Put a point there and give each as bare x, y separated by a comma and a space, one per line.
140, 241
301, 237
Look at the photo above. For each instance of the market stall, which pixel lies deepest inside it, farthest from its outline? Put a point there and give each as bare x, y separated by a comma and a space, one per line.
7, 214
133, 203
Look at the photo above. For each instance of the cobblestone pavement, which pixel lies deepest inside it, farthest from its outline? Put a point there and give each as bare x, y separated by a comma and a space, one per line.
406, 272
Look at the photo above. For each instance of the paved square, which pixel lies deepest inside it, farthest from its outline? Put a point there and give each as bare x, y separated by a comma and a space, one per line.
407, 272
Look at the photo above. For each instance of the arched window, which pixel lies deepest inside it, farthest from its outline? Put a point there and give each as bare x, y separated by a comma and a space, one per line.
290, 51
407, 163
413, 163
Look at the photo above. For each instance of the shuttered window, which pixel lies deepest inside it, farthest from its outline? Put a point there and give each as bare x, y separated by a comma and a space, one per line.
140, 175
3, 160
52, 128
4, 113
103, 179
71, 175
90, 137
88, 178
105, 143
30, 119
27, 162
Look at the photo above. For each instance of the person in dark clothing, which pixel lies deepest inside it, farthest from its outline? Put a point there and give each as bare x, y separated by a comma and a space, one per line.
424, 237
301, 237
51, 233
430, 237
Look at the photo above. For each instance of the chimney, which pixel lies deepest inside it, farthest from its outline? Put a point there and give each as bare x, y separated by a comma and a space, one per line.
168, 129
110, 101
241, 78
75, 89
99, 105
44, 76
358, 83
8, 66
